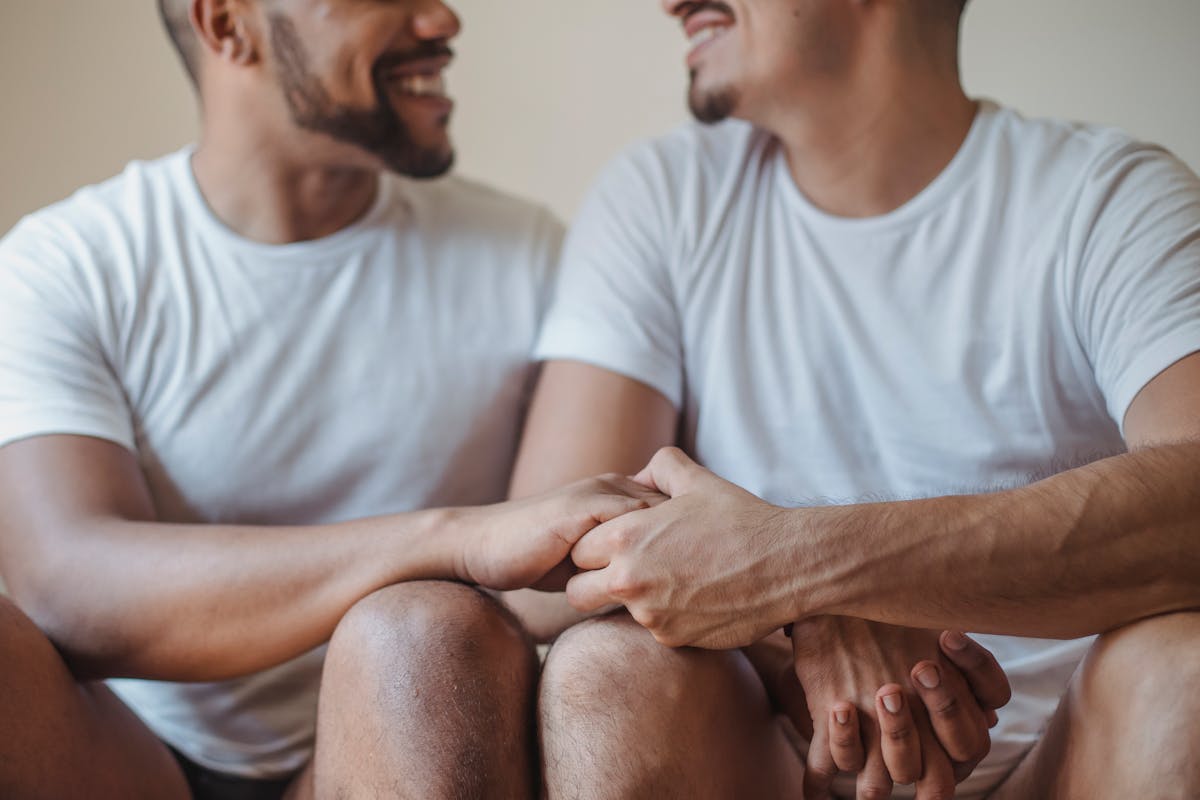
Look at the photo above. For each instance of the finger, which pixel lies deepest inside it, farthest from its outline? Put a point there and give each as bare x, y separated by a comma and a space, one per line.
957, 719
597, 547
669, 472
993, 719
588, 591
937, 774
898, 735
819, 771
845, 738
604, 508
983, 673
626, 486
873, 782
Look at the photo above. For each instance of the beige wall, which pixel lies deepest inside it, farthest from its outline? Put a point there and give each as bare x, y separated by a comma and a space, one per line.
548, 89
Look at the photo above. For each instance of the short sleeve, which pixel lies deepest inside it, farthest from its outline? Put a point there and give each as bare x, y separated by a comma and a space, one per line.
1136, 246
615, 305
54, 374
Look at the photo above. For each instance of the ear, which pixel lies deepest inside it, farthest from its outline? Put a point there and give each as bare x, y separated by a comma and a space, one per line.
228, 29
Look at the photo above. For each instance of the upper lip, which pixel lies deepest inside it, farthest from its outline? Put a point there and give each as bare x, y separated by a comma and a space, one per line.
698, 20
419, 66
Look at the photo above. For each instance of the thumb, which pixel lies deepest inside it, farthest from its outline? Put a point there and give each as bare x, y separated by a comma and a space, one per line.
670, 472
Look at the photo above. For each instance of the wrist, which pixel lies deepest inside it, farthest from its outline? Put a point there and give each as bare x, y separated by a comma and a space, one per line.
444, 537
822, 559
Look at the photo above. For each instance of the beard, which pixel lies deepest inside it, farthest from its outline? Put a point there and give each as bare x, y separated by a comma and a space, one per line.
378, 130
711, 106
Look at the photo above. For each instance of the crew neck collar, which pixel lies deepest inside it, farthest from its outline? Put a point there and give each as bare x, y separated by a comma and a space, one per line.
956, 174
217, 228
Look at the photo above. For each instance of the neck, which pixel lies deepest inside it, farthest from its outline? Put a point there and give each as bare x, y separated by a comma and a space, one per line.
269, 194
877, 142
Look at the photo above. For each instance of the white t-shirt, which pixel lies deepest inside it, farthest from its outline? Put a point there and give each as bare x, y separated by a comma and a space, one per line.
384, 368
990, 332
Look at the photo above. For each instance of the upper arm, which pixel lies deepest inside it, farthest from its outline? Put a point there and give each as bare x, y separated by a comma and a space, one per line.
586, 420
1166, 410
51, 488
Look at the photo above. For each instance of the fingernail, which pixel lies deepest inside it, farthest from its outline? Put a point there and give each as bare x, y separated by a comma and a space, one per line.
892, 703
956, 641
842, 716
929, 677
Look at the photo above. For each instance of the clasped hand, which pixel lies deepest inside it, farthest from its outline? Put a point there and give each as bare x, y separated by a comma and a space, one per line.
716, 567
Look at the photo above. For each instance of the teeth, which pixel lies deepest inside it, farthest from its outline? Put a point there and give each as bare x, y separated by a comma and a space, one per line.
424, 85
707, 34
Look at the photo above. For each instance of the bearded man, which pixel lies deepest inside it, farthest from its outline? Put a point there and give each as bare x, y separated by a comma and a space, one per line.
239, 388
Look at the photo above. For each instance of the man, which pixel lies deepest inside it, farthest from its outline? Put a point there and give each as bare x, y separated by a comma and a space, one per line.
950, 355
230, 382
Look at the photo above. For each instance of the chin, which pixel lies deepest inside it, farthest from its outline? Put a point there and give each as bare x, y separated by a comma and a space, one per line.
712, 105
421, 163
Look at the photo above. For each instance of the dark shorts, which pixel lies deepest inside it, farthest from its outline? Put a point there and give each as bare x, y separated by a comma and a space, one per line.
208, 785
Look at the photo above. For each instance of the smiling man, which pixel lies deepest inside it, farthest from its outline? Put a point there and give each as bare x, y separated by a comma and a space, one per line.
233, 382
949, 353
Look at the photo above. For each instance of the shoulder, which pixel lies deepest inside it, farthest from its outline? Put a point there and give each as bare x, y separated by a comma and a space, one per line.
1084, 159
104, 221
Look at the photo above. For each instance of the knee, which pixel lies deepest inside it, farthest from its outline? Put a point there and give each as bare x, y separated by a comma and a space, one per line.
431, 625
1140, 661
1146, 677
612, 662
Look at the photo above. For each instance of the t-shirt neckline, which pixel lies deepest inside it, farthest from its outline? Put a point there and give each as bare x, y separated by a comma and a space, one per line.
347, 236
948, 181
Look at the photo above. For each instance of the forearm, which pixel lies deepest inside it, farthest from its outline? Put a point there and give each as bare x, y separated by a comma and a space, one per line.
1080, 553
203, 603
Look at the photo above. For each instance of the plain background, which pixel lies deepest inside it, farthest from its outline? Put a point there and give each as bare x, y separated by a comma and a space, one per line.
548, 90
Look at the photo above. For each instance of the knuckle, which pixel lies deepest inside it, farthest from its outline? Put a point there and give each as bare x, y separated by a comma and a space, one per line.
900, 733
622, 537
981, 749
945, 706
623, 583
822, 772
844, 741
874, 791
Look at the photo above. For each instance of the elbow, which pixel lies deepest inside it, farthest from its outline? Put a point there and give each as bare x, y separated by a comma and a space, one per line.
51, 599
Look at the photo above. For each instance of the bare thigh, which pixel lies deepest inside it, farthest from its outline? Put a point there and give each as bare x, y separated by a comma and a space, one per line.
61, 739
1127, 725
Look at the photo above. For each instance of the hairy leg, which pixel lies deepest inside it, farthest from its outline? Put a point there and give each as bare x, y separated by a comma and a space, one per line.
427, 693
1127, 726
623, 717
60, 739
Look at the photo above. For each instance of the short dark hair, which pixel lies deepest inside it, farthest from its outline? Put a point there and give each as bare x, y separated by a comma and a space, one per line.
175, 18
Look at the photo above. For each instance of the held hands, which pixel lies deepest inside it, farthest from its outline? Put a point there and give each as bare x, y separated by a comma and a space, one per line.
527, 543
877, 715
711, 568
702, 569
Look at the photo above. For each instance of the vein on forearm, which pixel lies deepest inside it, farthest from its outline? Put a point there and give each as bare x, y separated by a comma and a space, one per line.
1079, 553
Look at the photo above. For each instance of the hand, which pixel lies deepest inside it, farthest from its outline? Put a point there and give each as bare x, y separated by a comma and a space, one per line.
933, 734
702, 568
527, 543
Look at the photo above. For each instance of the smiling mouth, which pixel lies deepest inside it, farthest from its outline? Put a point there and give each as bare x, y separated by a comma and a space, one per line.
431, 85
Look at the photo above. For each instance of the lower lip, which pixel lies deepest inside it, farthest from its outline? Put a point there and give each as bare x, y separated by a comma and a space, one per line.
700, 49
435, 103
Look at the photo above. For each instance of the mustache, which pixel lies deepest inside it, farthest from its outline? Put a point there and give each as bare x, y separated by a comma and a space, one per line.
425, 50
